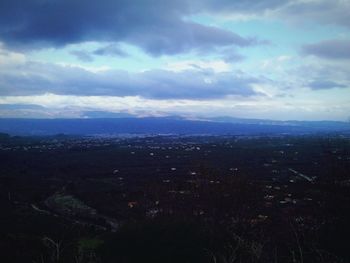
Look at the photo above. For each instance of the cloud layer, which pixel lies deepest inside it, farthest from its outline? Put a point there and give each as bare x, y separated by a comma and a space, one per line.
158, 27
338, 49
33, 78
325, 84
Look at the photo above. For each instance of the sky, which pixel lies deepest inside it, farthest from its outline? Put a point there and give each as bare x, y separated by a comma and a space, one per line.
267, 59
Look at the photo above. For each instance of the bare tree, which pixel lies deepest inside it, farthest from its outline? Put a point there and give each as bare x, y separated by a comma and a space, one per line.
55, 248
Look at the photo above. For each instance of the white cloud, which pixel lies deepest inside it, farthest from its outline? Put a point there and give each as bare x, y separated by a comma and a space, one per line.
216, 66
306, 107
10, 58
93, 69
276, 63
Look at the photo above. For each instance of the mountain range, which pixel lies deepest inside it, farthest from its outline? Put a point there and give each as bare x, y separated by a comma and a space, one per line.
167, 125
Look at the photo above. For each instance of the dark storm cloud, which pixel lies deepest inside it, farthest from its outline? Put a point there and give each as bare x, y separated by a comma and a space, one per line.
330, 49
157, 26
38, 78
325, 84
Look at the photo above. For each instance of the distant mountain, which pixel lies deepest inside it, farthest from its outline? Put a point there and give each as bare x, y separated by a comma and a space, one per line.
314, 124
164, 125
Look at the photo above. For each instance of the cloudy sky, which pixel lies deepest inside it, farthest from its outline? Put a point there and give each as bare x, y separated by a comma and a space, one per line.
271, 59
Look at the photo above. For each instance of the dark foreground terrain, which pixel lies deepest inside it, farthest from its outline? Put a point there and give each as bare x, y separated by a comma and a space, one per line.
175, 199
